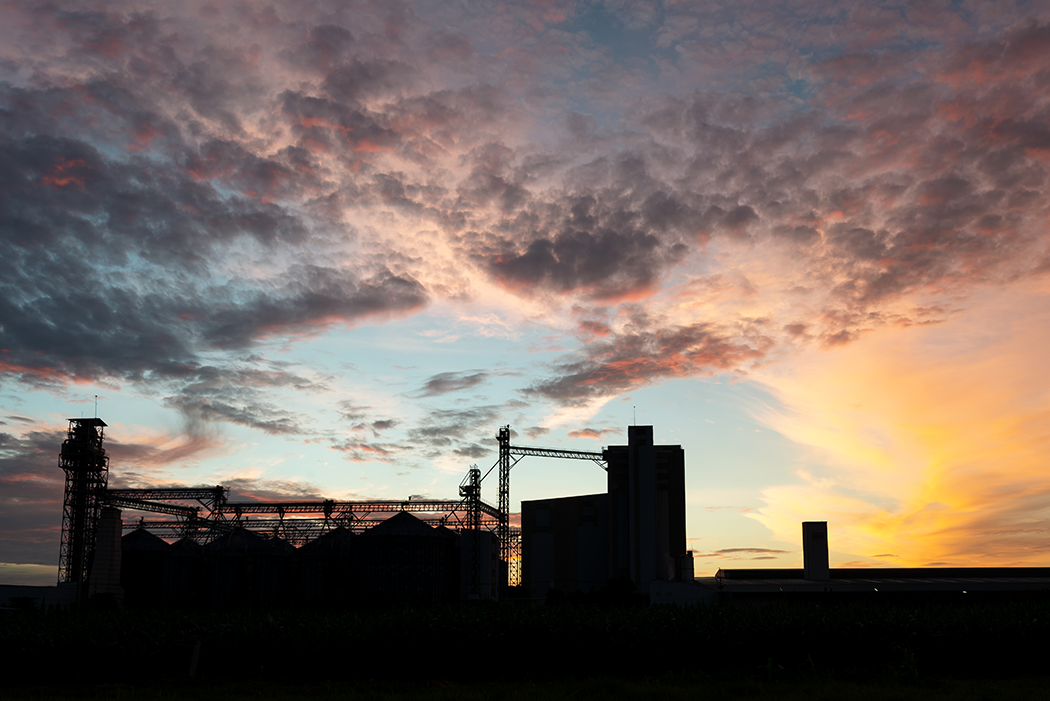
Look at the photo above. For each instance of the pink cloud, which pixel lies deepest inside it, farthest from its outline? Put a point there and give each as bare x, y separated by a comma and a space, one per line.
596, 434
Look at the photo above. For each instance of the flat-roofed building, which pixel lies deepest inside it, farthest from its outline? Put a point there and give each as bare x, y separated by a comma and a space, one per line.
564, 543
635, 531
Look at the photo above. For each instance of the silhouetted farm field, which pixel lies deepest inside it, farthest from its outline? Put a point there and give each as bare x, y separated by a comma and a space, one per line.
673, 688
494, 644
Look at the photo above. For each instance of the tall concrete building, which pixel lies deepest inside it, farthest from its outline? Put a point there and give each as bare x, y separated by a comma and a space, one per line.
646, 510
636, 530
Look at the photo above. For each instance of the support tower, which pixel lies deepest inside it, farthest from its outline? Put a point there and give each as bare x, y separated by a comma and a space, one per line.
86, 466
470, 490
503, 529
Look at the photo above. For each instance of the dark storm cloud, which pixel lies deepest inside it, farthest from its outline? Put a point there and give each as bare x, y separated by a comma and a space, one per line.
604, 252
64, 326
74, 212
235, 405
32, 458
31, 489
334, 127
457, 430
1020, 51
366, 451
325, 46
351, 411
612, 263
644, 353
72, 217
248, 489
904, 202
742, 553
127, 181
64, 195
289, 173
315, 298
357, 80
491, 179
239, 395
80, 204
535, 432
473, 451
64, 321
446, 45
446, 382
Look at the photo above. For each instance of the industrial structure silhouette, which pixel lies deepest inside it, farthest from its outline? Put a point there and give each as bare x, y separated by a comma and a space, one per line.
199, 549
225, 553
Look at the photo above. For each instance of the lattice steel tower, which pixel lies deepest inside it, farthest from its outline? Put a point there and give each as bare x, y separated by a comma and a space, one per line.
87, 470
503, 527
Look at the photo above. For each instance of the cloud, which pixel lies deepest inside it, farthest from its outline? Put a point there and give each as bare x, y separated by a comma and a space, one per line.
441, 426
535, 432
349, 410
743, 553
640, 355
461, 432
363, 451
318, 298
863, 191
138, 324
596, 434
446, 382
473, 451
31, 494
239, 394
240, 406
254, 489
1020, 51
610, 264
147, 451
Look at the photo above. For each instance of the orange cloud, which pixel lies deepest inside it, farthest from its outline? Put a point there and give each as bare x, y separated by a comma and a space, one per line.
44, 373
596, 434
61, 175
137, 447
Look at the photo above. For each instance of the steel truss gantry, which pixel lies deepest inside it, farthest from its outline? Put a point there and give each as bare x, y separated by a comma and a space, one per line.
297, 531
509, 456
296, 521
301, 521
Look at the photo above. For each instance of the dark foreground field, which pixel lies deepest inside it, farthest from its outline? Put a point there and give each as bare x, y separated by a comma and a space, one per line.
675, 688
983, 649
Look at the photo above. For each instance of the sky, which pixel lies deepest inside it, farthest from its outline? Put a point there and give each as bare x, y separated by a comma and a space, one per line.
325, 249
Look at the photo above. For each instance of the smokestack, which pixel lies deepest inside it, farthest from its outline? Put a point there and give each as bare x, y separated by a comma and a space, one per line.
815, 550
